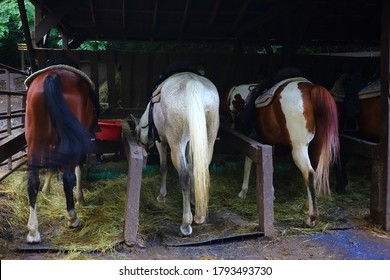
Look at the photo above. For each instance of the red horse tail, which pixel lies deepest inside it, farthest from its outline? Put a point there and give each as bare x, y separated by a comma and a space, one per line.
327, 135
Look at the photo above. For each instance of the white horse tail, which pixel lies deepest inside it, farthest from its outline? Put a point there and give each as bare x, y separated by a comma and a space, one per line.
198, 146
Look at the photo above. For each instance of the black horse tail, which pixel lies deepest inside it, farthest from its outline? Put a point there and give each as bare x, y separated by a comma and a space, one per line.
74, 139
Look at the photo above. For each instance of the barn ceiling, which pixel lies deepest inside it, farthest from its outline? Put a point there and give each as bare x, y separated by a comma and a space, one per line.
263, 22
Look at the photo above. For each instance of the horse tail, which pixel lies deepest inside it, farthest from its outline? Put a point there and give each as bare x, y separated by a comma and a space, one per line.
327, 131
198, 146
74, 139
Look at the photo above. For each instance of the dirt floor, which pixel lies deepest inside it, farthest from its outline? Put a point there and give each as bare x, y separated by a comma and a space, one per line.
362, 241
336, 245
359, 239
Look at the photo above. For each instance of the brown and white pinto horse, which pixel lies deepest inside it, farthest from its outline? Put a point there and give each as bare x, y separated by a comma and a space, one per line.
59, 121
233, 101
302, 116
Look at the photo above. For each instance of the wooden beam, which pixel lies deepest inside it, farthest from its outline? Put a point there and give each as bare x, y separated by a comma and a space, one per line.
92, 12
12, 144
185, 16
215, 12
135, 158
261, 155
241, 14
76, 42
380, 190
27, 35
360, 147
124, 14
50, 20
154, 21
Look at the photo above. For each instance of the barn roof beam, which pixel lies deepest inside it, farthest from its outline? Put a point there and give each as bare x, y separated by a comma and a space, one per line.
215, 12
185, 16
154, 21
124, 14
241, 14
52, 18
93, 13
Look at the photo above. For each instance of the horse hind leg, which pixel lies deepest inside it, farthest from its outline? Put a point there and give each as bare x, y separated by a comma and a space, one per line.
179, 161
47, 185
245, 182
69, 179
33, 235
162, 150
301, 159
311, 204
80, 201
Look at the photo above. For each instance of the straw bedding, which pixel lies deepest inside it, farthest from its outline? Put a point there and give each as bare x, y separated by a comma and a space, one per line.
105, 193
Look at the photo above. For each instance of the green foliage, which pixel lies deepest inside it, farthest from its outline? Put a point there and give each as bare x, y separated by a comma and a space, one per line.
10, 23
11, 31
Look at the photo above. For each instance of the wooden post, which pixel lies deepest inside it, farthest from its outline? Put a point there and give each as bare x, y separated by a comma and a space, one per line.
380, 191
265, 196
135, 159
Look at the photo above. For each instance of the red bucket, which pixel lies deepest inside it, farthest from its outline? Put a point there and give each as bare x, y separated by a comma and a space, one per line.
111, 130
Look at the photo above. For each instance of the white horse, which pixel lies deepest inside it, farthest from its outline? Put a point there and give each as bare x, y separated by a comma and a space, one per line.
184, 112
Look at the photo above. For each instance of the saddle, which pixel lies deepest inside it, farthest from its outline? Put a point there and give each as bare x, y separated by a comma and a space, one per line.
30, 78
372, 89
175, 68
349, 89
266, 97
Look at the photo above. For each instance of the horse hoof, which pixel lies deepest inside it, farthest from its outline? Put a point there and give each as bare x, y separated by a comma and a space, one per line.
199, 220
186, 230
74, 224
161, 198
309, 223
33, 238
242, 194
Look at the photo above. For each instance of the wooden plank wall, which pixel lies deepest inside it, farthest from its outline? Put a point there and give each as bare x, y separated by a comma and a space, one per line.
140, 69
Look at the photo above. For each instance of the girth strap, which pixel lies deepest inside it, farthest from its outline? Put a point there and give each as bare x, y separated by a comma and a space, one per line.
152, 130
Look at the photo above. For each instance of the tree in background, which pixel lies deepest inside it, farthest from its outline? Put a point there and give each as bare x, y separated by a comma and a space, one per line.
11, 31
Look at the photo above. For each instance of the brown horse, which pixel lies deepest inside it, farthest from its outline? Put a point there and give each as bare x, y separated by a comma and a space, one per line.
359, 106
59, 121
302, 116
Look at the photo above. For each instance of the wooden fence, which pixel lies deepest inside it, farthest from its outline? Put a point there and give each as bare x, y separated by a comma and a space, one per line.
12, 111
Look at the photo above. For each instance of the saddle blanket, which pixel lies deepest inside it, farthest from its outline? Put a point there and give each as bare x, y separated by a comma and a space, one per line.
267, 96
373, 89
30, 78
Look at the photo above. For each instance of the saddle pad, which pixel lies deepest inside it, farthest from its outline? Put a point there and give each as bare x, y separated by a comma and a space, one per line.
371, 90
30, 78
156, 93
267, 96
